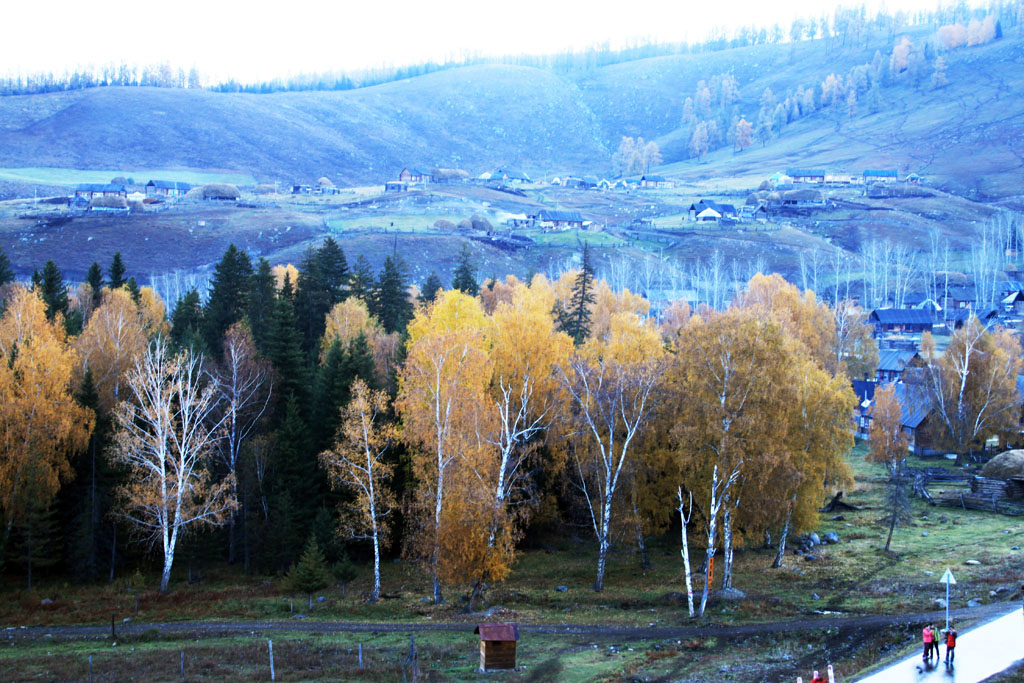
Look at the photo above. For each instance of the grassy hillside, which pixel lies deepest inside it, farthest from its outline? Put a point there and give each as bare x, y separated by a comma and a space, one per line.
966, 135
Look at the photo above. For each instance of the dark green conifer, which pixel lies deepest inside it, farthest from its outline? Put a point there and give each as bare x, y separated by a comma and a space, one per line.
94, 278
574, 319
311, 573
361, 281
133, 289
431, 286
262, 296
52, 288
229, 290
116, 271
187, 322
464, 277
392, 306
284, 346
6, 273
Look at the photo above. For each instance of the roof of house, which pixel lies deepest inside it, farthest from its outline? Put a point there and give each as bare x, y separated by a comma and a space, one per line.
962, 292
805, 172
100, 187
169, 185
727, 209
507, 631
901, 316
892, 360
559, 215
865, 390
880, 173
590, 179
512, 174
915, 403
653, 178
709, 213
960, 315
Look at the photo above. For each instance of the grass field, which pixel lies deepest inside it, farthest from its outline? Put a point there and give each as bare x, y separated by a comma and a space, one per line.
70, 176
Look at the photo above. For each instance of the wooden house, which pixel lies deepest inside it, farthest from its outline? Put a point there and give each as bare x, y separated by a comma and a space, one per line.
395, 186
508, 175
885, 175
166, 188
88, 191
916, 411
806, 175
655, 181
497, 646
552, 219
958, 296
415, 175
302, 189
911, 320
893, 363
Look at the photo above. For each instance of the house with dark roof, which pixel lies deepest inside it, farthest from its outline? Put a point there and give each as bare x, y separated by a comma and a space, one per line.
723, 210
913, 320
88, 191
555, 219
655, 181
415, 175
893, 363
957, 317
885, 175
509, 175
916, 410
806, 175
167, 188
959, 296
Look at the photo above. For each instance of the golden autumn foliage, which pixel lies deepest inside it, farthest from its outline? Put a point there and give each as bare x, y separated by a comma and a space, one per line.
608, 303
888, 440
351, 318
41, 424
111, 343
282, 272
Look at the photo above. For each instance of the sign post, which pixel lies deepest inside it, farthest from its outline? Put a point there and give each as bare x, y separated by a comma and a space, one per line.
947, 578
711, 571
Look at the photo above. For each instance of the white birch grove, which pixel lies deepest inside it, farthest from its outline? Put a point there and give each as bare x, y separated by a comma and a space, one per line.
166, 435
685, 516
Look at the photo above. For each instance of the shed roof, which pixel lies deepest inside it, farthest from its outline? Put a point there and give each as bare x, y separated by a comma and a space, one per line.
880, 173
101, 187
169, 185
805, 172
558, 215
709, 213
506, 631
653, 178
901, 316
915, 403
892, 360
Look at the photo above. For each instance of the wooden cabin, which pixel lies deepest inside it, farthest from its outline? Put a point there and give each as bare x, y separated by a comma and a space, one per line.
497, 646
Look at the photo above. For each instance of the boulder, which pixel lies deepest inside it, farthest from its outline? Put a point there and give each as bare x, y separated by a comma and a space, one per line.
810, 558
562, 589
46, 601
813, 538
974, 603
727, 594
972, 562
831, 537
940, 603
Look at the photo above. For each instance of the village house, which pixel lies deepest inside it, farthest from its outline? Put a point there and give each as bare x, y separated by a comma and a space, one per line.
758, 212
166, 188
507, 175
958, 296
806, 175
553, 219
395, 186
88, 191
302, 189
908, 320
841, 179
892, 364
701, 205
880, 176
1013, 302
415, 175
655, 181
916, 410
956, 318
802, 198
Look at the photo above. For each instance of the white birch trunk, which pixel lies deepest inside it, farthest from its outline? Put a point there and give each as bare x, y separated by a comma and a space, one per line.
684, 520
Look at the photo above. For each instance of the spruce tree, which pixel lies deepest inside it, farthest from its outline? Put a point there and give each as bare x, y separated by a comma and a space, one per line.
334, 270
464, 277
262, 296
38, 545
294, 461
6, 274
133, 288
311, 573
116, 271
575, 318
431, 286
232, 280
361, 281
94, 278
341, 367
322, 282
52, 288
284, 346
391, 304
187, 322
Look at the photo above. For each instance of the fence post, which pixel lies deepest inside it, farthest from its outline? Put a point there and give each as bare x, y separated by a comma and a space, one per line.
360, 655
90, 668
182, 666
270, 646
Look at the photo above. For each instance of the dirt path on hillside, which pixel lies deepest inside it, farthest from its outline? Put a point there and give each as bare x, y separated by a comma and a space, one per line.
210, 629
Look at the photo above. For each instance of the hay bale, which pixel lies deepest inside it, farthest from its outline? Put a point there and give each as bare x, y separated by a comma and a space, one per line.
220, 190
805, 195
444, 224
480, 223
449, 174
324, 181
195, 194
109, 202
1005, 465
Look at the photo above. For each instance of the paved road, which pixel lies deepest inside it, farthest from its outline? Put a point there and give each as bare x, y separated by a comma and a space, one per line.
981, 652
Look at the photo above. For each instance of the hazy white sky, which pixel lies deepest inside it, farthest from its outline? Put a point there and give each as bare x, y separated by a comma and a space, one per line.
261, 40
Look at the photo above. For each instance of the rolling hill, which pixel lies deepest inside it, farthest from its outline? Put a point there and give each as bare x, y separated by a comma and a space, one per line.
966, 136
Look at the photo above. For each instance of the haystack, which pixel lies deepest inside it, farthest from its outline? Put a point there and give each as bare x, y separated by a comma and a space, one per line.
1005, 465
324, 181
220, 191
195, 194
109, 202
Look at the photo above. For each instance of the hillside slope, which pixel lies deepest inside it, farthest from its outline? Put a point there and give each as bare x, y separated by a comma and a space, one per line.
967, 137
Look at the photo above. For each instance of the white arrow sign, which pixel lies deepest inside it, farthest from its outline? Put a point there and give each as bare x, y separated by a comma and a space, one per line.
947, 578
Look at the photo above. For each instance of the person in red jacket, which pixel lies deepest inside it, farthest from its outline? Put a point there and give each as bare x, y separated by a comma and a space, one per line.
950, 644
818, 678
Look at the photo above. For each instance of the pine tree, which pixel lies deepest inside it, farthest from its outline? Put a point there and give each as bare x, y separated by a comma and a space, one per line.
310, 574
296, 472
187, 322
341, 367
133, 289
392, 306
94, 278
116, 272
284, 346
232, 280
6, 274
431, 286
52, 288
464, 277
261, 304
38, 546
361, 281
334, 270
575, 319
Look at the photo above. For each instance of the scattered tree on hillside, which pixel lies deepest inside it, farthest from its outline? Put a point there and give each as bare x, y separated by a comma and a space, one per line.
6, 274
939, 79
431, 286
110, 345
228, 300
166, 435
744, 134
699, 142
464, 277
116, 271
391, 303
355, 463
52, 289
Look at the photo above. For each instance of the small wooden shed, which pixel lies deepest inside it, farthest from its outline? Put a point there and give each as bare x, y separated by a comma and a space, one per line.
497, 646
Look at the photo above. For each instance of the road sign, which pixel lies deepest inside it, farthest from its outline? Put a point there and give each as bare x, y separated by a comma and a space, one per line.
947, 578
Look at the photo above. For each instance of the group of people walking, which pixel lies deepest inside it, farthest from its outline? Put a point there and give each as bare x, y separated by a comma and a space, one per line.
931, 639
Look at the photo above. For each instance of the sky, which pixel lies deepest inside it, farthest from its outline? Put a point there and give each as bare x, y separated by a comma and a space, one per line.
255, 41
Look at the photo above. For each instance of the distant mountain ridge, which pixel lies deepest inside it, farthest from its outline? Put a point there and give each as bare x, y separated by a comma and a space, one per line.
481, 117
